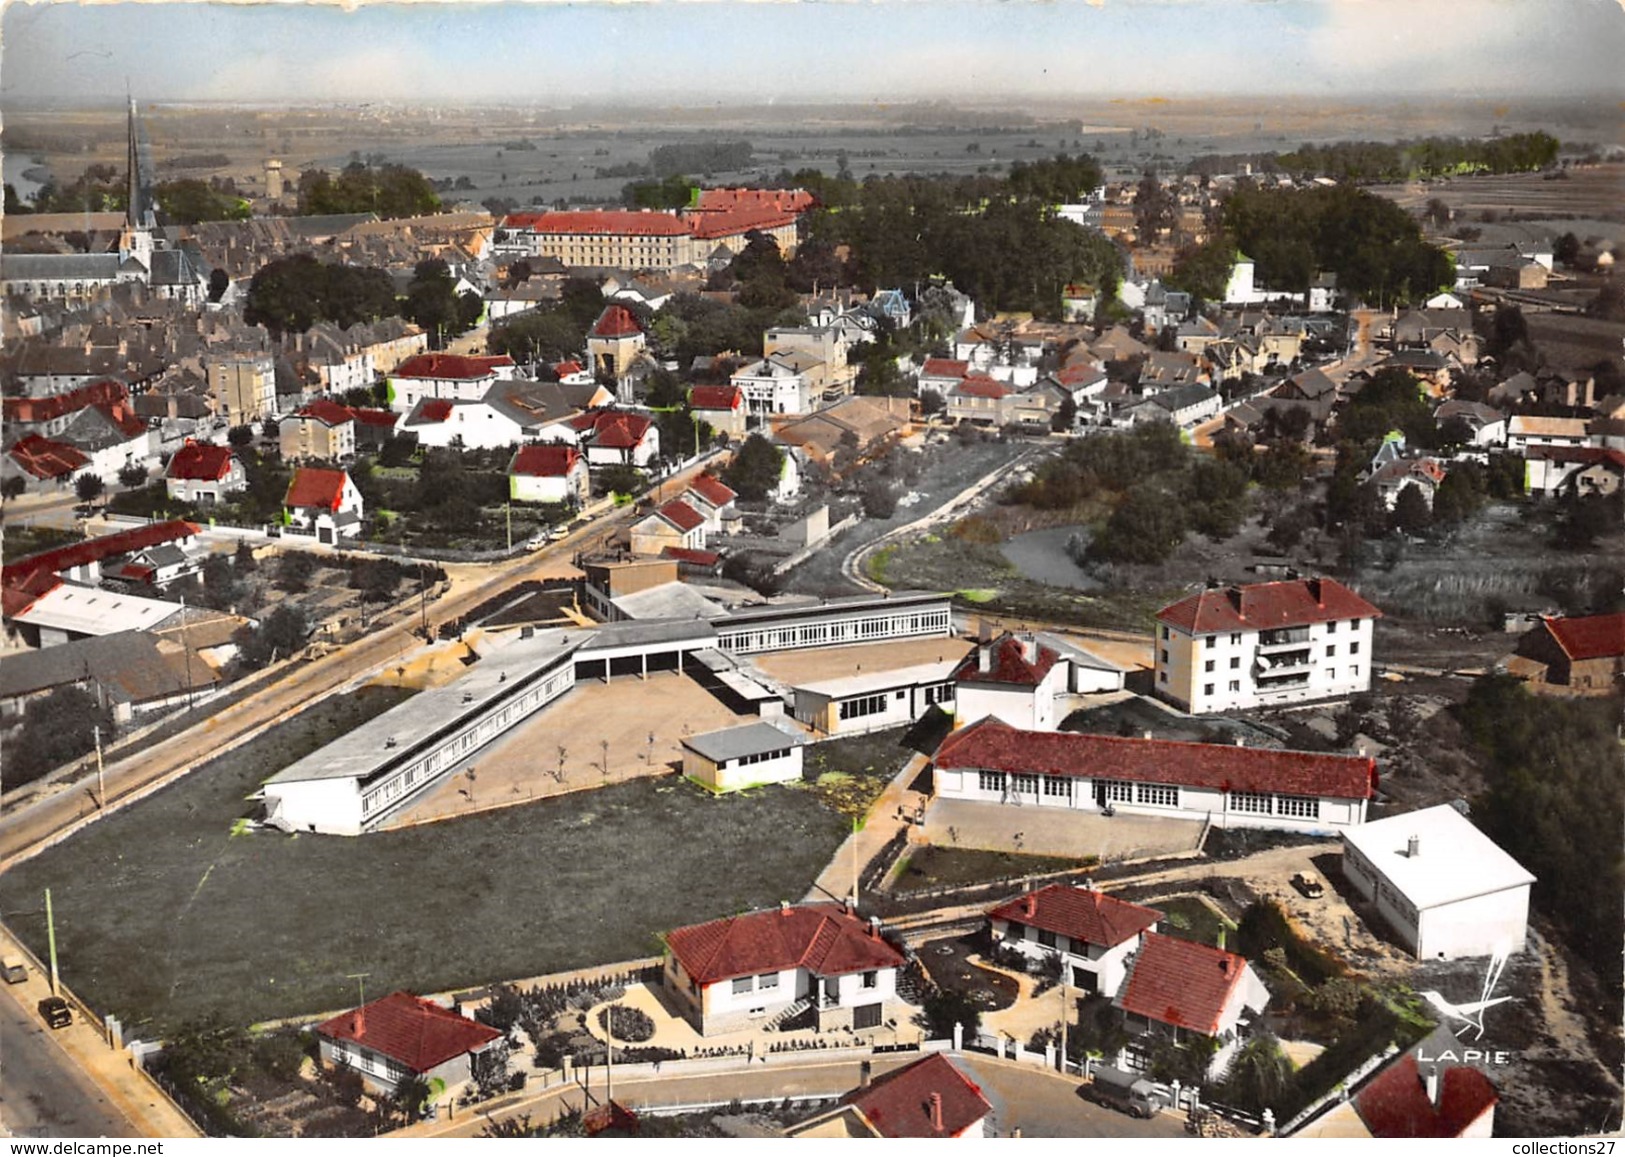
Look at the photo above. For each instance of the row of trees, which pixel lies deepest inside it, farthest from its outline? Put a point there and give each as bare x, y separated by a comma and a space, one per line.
1429, 157
388, 190
1374, 246
291, 294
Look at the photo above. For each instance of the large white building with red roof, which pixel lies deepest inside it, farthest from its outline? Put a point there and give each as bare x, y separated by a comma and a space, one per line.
549, 472
750, 971
1264, 644
324, 503
451, 377
1090, 933
1231, 787
402, 1036
1181, 990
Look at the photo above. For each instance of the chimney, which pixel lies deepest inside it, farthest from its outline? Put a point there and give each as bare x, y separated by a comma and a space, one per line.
1318, 592
984, 658
1147, 735
936, 1111
1240, 741
1413, 847
1430, 1081
361, 1022
874, 927
1029, 906
784, 907
1029, 647
984, 631
865, 1072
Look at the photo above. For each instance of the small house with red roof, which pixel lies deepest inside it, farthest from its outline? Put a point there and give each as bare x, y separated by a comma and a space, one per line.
756, 970
1584, 653
931, 1098
1391, 479
617, 438
39, 460
324, 503
673, 524
451, 377
205, 474
1028, 680
1425, 1092
404, 1036
713, 498
1093, 935
940, 376
1180, 990
1264, 644
720, 407
324, 431
549, 472
1227, 786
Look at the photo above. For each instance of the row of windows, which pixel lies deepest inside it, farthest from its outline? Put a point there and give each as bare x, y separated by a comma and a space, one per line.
762, 983
864, 705
760, 757
901, 624
1266, 803
1235, 636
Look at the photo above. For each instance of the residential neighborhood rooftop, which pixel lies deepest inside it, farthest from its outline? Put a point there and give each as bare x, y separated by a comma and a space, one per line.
1182, 983
826, 939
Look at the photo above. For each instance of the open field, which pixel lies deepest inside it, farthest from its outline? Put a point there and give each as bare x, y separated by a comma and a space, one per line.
172, 909
1593, 191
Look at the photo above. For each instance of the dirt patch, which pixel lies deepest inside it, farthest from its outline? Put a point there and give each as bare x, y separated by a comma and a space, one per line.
949, 964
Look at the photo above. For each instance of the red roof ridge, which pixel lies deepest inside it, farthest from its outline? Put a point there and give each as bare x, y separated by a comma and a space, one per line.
824, 938
1081, 913
1181, 982
1588, 636
1262, 606
416, 1032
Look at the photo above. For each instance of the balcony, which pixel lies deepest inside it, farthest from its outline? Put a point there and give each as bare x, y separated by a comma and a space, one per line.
1287, 637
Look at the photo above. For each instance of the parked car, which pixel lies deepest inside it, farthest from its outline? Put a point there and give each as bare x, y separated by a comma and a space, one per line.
1308, 884
54, 1011
13, 969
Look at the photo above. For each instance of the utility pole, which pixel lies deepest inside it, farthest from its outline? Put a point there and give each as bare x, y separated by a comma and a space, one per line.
50, 939
508, 510
360, 979
188, 652
854, 862
101, 783
1066, 972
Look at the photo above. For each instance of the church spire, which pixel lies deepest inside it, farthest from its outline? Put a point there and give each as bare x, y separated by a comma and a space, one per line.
138, 212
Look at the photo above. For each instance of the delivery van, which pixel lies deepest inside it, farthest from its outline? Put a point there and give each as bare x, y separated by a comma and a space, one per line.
1126, 1092
13, 969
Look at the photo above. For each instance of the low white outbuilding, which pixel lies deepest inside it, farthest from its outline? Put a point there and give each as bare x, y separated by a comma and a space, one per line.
1446, 889
740, 757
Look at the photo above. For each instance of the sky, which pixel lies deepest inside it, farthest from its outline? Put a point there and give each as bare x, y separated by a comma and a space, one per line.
558, 54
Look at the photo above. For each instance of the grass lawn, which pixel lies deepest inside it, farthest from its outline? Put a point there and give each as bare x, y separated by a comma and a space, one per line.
933, 867
169, 910
1190, 919
848, 774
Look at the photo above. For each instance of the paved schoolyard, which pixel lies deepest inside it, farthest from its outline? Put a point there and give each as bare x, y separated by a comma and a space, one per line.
525, 764
1039, 831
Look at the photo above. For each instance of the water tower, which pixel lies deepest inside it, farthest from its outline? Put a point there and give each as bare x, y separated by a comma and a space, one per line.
273, 179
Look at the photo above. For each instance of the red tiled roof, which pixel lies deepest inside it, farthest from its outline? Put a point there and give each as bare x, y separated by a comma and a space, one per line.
95, 549
614, 429
716, 397
1007, 664
726, 200
122, 418
993, 745
418, 1033
312, 487
712, 226
44, 458
713, 490
565, 369
944, 368
616, 321
545, 460
599, 223
435, 410
900, 1103
329, 413
200, 462
382, 418
681, 515
1180, 982
1396, 1104
1265, 606
105, 392
21, 590
1081, 913
1590, 637
450, 366
979, 386
1410, 468
825, 939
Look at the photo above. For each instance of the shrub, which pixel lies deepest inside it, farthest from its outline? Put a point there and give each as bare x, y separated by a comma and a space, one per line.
626, 1023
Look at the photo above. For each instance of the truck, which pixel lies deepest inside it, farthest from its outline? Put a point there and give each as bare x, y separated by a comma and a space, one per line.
1126, 1092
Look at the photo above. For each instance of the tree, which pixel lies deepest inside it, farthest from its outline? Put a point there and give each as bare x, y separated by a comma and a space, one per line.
1155, 209
621, 479
189, 201
244, 560
431, 301
278, 637
1259, 1073
944, 1009
1411, 515
56, 729
132, 475
1566, 250
240, 436
756, 468
219, 282
14, 487
388, 190
88, 487
1066, 414
879, 497
1609, 304
413, 1094
1146, 527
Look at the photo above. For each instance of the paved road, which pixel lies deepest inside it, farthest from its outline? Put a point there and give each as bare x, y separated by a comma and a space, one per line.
35, 823
45, 1094
1041, 1103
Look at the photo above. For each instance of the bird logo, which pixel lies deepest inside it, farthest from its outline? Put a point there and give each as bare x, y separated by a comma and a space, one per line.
1471, 1014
